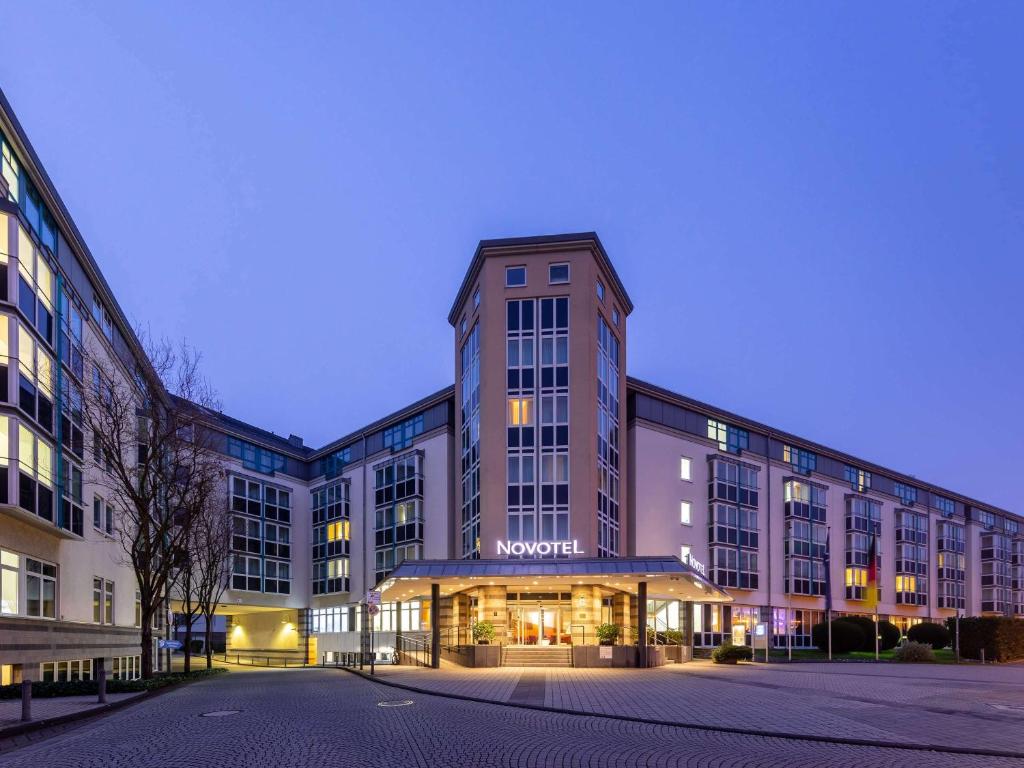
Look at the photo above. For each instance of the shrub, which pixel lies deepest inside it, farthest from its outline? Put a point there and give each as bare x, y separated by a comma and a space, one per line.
49, 690
935, 635
1001, 638
483, 632
846, 636
915, 652
889, 634
730, 654
607, 634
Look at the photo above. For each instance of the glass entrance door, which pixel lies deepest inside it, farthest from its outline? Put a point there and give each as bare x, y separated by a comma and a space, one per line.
538, 624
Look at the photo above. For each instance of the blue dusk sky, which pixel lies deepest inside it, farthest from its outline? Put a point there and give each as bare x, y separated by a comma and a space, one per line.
816, 207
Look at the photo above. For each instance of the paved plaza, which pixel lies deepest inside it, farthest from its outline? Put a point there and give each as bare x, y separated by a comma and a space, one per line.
334, 718
965, 706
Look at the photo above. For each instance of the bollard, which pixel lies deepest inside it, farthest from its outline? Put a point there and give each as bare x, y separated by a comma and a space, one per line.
982, 655
26, 700
101, 685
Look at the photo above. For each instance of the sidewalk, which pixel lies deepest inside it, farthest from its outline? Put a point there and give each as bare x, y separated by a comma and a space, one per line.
46, 709
968, 707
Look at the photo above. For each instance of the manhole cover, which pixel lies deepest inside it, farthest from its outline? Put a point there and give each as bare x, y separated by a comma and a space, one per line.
400, 703
222, 713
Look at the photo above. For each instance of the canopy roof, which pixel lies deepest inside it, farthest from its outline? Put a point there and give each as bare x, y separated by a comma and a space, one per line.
667, 577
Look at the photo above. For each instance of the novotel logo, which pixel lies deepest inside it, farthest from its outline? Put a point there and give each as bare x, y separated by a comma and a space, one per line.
520, 548
696, 564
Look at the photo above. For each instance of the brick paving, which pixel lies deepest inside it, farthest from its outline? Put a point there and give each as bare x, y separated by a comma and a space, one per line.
332, 718
968, 707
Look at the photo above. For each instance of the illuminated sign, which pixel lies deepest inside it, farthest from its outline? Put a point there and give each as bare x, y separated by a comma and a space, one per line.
542, 548
696, 564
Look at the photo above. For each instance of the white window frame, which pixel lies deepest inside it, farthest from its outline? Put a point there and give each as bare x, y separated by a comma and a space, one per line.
685, 512
686, 469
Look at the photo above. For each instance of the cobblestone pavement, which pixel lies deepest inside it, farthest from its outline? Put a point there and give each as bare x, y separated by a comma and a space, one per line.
334, 718
43, 709
970, 707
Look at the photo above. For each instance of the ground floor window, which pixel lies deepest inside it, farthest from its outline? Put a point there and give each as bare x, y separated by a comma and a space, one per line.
65, 671
127, 667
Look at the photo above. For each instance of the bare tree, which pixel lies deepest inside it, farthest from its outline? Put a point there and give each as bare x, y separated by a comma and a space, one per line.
154, 460
212, 561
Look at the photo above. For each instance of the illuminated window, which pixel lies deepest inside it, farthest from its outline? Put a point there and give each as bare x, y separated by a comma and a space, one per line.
684, 513
906, 583
801, 460
520, 411
729, 438
856, 577
337, 569
858, 479
515, 277
558, 274
684, 553
9, 169
684, 468
5, 245
338, 531
10, 564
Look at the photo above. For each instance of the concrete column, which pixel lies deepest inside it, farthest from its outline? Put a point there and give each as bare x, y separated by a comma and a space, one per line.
641, 610
435, 625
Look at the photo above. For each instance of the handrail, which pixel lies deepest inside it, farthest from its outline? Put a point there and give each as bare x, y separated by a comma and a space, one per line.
253, 660
572, 636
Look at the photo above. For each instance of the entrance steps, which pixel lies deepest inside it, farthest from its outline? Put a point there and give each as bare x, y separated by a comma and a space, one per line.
537, 656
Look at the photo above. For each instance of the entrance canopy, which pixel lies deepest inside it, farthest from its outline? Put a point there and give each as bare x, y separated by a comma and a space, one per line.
667, 577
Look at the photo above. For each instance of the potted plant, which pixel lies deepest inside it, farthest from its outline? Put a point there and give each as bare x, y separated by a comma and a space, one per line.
607, 634
483, 632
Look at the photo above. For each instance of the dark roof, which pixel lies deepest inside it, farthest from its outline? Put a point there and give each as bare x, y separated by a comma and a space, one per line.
598, 566
589, 238
749, 424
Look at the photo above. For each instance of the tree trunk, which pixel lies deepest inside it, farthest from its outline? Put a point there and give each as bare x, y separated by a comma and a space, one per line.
209, 640
147, 643
188, 643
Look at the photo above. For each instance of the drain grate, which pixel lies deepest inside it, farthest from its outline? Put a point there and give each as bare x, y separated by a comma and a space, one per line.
221, 713
398, 703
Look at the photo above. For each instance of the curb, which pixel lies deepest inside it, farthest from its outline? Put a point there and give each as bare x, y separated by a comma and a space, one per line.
699, 726
13, 731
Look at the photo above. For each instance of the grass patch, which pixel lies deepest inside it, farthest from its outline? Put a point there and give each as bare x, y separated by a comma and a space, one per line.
944, 656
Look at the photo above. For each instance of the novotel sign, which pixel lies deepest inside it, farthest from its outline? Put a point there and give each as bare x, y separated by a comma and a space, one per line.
543, 548
696, 564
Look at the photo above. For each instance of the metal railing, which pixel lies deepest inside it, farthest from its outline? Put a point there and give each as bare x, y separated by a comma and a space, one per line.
413, 650
260, 660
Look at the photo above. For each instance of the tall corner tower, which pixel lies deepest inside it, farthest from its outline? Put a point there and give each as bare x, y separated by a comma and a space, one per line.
540, 386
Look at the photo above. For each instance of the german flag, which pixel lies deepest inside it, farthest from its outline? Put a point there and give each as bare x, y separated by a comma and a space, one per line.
871, 598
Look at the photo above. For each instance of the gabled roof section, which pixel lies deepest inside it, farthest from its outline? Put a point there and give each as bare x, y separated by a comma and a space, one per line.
538, 243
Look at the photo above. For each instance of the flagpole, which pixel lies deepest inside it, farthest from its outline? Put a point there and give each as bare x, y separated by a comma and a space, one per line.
828, 587
876, 634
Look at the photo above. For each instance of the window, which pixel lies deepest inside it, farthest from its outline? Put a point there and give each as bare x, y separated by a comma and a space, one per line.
515, 277
520, 411
35, 286
255, 457
138, 608
333, 465
558, 274
401, 435
102, 516
685, 468
102, 318
728, 437
684, 553
905, 493
476, 298
600, 290
858, 479
35, 462
10, 169
947, 507
462, 326
615, 317
40, 589
35, 379
685, 513
10, 567
801, 460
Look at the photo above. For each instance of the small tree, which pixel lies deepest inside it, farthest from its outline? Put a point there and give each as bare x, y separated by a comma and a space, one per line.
212, 558
935, 635
152, 458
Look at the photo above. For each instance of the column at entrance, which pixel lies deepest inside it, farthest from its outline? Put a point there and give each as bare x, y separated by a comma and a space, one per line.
585, 614
492, 606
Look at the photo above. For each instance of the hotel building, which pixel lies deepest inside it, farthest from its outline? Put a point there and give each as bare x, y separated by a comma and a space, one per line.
545, 491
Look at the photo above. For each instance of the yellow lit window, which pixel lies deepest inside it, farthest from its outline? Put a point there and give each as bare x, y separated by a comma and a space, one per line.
520, 411
338, 531
44, 280
337, 568
26, 450
5, 340
5, 431
906, 583
856, 577
405, 512
26, 353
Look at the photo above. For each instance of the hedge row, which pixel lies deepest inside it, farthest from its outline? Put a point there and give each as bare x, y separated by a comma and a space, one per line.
1002, 638
855, 633
44, 690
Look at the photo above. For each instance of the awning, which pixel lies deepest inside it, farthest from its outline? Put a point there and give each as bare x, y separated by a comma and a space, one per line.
667, 577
